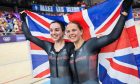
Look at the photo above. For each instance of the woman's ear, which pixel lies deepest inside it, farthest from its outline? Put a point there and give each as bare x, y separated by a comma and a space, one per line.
82, 32
63, 33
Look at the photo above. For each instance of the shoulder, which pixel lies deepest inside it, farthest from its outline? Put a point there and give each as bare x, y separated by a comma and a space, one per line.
69, 44
48, 44
69, 47
92, 39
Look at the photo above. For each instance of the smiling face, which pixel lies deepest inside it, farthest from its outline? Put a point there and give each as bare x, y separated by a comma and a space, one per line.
73, 32
56, 31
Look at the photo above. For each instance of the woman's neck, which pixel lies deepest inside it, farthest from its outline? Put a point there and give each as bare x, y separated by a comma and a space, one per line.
58, 45
78, 43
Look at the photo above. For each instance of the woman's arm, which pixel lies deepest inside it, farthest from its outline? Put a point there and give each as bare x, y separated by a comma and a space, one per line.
116, 32
114, 35
30, 37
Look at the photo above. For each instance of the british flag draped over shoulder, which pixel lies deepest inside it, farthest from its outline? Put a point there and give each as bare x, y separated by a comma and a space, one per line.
119, 62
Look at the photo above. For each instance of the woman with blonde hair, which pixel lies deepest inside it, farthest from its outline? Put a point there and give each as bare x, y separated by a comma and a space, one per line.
84, 59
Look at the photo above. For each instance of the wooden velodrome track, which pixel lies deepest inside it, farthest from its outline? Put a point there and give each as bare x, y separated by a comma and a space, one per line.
15, 63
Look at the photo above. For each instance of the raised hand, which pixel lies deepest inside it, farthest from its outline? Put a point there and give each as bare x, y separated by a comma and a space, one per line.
126, 5
23, 15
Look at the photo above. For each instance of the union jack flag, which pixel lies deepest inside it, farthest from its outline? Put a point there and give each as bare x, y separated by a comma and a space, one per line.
119, 62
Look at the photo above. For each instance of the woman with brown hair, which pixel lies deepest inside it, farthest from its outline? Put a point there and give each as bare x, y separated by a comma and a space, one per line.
58, 52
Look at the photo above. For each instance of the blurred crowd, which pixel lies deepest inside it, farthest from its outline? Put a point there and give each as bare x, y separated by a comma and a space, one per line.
10, 23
